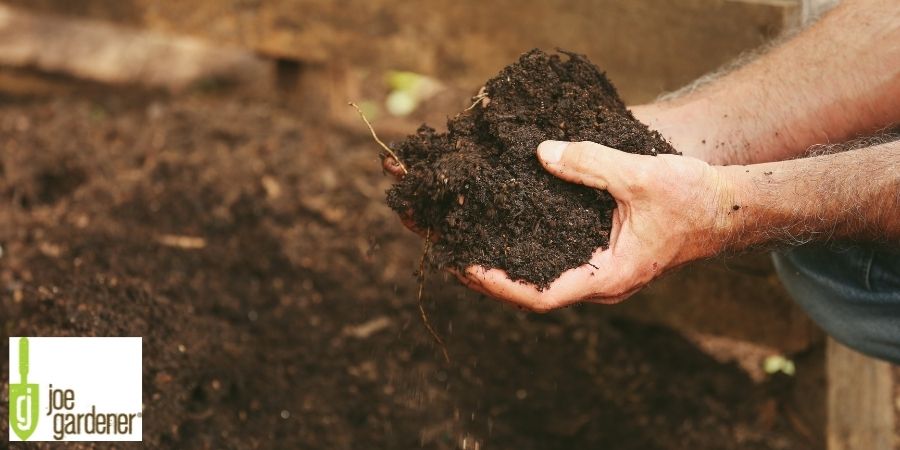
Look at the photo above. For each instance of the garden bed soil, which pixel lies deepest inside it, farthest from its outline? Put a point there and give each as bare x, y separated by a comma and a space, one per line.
274, 293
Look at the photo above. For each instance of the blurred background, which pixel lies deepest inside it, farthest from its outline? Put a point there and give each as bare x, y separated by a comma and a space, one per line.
190, 172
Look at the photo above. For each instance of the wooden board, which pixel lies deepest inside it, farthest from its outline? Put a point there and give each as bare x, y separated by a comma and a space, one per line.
740, 298
861, 401
648, 46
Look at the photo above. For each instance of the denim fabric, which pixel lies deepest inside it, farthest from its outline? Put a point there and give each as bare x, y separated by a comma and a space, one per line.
851, 291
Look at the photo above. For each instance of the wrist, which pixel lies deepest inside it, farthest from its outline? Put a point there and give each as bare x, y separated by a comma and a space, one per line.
708, 212
732, 211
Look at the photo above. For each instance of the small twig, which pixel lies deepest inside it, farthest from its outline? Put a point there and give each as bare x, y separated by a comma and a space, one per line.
482, 94
425, 320
382, 144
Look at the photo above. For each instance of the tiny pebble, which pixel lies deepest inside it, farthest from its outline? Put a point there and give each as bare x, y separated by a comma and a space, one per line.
285, 414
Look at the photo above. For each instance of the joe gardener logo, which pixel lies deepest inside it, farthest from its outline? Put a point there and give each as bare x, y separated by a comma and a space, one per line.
75, 389
23, 398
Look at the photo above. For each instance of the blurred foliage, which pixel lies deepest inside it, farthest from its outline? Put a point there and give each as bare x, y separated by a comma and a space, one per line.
778, 363
408, 90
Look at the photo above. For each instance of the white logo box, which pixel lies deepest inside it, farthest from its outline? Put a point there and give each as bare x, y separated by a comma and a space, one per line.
103, 373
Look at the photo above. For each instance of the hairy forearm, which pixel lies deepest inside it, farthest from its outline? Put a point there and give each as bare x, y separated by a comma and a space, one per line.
838, 79
854, 195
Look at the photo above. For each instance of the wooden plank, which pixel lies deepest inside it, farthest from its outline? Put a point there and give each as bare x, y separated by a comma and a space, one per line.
741, 298
860, 401
100, 51
896, 399
648, 46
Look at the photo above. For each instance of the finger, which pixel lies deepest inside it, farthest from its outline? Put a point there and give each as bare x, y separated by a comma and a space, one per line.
407, 220
469, 282
608, 277
605, 279
573, 286
614, 277
600, 278
496, 283
614, 299
392, 167
590, 164
596, 282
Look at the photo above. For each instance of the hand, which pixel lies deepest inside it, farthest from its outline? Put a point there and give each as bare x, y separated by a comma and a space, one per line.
670, 210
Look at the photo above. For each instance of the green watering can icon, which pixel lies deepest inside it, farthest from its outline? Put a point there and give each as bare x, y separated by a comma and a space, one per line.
23, 398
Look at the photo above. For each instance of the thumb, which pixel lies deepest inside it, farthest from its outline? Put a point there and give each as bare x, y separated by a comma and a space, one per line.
588, 163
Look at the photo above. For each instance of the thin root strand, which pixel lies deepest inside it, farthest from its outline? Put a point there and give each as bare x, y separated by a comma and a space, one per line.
375, 136
482, 94
421, 304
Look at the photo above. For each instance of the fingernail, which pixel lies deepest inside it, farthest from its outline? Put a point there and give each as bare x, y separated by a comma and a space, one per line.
551, 151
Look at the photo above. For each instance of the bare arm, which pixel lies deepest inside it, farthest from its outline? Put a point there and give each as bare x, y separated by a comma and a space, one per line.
853, 195
834, 81
838, 79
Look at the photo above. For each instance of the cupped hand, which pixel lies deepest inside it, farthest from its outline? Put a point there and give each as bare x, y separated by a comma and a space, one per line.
670, 210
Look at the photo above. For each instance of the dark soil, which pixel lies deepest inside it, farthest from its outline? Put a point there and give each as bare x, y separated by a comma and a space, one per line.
481, 189
295, 324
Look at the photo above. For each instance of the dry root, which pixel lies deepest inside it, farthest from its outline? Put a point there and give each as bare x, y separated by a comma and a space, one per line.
419, 296
375, 136
420, 302
482, 98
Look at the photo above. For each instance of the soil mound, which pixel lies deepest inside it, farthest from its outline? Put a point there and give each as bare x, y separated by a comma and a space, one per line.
481, 189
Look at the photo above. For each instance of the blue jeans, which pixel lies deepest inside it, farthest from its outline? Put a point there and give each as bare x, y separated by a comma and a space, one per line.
851, 291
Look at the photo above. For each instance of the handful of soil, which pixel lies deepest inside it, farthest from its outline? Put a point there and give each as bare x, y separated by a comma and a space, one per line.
481, 189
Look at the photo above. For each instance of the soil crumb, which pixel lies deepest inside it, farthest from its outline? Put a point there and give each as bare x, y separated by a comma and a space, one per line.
481, 188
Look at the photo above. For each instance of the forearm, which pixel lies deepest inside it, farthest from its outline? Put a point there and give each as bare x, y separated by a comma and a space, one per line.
838, 79
853, 195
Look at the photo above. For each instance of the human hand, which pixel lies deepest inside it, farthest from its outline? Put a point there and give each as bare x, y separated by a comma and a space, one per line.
670, 211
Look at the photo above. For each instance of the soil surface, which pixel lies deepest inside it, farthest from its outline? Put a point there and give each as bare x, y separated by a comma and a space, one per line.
251, 248
480, 188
